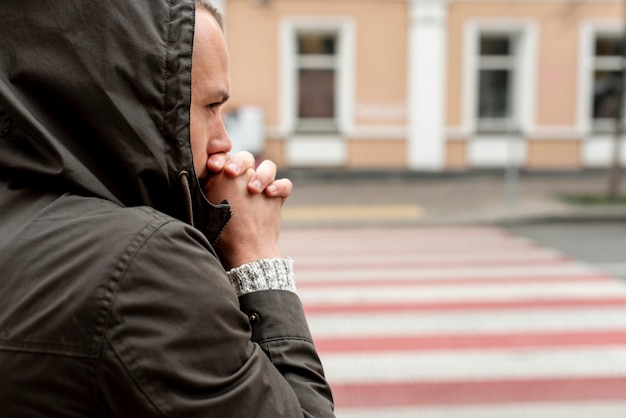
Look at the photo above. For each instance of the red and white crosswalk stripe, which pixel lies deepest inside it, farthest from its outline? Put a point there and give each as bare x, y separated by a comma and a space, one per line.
460, 322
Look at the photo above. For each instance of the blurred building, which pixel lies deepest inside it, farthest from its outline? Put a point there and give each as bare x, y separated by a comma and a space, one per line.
429, 85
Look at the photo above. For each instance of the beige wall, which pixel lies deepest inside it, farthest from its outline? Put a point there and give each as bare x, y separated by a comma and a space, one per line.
456, 155
553, 154
377, 154
382, 33
275, 150
252, 37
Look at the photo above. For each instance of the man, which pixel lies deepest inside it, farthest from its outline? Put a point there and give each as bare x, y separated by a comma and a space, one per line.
111, 303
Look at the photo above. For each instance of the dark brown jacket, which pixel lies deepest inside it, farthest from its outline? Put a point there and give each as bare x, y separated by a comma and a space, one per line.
111, 303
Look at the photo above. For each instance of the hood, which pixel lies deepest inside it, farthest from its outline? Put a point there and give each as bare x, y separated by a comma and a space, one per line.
94, 100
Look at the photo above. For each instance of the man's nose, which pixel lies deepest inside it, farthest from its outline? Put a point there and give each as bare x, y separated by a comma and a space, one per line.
220, 141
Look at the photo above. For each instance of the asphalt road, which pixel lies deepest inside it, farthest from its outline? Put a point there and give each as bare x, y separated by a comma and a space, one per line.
602, 244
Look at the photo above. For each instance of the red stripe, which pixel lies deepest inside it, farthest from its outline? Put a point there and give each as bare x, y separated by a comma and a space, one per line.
304, 284
459, 306
474, 341
479, 392
406, 243
386, 265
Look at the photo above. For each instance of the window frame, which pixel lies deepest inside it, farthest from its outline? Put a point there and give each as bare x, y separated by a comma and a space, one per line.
604, 63
596, 146
523, 106
589, 30
509, 63
344, 28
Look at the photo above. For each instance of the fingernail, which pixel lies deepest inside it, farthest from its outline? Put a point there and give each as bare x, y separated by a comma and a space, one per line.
272, 189
234, 167
256, 184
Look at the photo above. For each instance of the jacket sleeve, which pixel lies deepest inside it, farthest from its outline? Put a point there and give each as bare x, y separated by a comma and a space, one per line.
177, 343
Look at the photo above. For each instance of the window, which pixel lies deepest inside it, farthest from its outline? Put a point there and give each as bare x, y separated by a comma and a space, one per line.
606, 81
496, 112
316, 82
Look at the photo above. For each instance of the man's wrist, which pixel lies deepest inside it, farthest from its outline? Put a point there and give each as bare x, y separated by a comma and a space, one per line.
264, 274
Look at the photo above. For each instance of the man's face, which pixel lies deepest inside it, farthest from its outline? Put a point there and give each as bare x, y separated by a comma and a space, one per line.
210, 88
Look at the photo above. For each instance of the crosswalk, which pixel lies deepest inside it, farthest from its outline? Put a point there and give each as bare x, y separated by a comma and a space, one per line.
460, 322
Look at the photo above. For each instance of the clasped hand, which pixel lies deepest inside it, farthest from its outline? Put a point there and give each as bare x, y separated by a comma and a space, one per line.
256, 198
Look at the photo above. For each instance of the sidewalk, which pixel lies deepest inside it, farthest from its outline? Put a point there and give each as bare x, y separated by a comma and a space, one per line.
344, 198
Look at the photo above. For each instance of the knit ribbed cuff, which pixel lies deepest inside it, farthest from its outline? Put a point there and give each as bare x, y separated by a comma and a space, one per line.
266, 274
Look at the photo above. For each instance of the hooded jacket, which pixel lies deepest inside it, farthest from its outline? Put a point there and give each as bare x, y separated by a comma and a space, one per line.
111, 302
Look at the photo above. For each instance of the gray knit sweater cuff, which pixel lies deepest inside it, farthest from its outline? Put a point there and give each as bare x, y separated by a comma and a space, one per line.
266, 274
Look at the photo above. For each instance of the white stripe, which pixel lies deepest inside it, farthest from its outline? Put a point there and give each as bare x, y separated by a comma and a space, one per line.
395, 231
460, 293
425, 257
407, 239
440, 366
525, 410
466, 323
456, 272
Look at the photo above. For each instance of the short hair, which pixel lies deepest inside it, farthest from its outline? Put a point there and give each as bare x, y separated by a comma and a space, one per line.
208, 6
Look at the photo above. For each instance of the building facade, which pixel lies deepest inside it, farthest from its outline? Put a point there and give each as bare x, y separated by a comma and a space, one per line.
429, 85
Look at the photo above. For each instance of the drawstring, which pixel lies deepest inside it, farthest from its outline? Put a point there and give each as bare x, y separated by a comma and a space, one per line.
183, 176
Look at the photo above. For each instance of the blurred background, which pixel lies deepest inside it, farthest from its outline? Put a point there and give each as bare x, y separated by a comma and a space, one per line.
457, 219
428, 85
